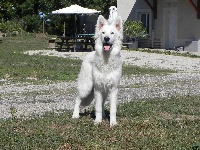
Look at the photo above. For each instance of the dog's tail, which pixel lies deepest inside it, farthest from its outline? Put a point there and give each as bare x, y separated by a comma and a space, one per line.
85, 81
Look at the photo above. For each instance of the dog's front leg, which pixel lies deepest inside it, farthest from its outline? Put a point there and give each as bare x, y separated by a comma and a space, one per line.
76, 108
113, 107
98, 106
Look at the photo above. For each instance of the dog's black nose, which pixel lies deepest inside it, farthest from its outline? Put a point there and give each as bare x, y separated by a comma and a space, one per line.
106, 39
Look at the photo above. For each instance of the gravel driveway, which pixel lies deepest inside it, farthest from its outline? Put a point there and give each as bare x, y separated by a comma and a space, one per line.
27, 99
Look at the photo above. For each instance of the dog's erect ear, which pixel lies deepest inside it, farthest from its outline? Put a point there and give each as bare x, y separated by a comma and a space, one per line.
119, 26
101, 22
118, 23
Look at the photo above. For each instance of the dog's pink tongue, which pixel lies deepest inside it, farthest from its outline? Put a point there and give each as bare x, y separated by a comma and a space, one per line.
107, 48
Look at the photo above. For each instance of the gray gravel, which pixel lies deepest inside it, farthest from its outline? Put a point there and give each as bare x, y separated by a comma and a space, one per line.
26, 99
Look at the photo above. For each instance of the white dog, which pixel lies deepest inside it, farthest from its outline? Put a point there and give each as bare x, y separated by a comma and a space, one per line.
101, 71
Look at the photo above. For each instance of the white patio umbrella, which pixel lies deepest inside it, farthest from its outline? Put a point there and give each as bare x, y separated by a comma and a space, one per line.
75, 9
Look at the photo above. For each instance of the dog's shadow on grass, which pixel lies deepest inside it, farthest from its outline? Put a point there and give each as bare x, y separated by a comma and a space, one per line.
92, 114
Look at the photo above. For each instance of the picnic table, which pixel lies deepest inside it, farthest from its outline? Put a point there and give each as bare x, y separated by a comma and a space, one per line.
126, 44
81, 41
85, 35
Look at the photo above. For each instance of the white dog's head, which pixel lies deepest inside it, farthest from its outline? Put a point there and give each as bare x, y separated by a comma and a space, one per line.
108, 35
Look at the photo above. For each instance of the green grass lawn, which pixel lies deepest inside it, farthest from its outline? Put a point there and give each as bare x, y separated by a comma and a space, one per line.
155, 124
150, 124
18, 67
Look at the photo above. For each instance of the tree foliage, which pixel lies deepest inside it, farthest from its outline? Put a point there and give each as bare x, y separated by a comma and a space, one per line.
26, 12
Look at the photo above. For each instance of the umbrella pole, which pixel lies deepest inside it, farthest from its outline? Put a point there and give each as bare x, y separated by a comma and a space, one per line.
64, 30
75, 32
75, 25
43, 26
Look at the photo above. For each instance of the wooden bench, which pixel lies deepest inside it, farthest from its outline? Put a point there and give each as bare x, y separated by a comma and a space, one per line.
126, 44
71, 43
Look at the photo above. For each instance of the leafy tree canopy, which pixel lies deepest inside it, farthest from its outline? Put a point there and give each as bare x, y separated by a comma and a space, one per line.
26, 12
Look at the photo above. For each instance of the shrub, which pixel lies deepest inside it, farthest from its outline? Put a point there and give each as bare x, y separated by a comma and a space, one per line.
134, 29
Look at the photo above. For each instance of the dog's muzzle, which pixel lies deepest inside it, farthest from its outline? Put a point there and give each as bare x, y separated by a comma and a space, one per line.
107, 46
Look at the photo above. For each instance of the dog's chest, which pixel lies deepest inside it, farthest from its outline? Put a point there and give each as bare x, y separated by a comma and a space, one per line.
106, 65
106, 71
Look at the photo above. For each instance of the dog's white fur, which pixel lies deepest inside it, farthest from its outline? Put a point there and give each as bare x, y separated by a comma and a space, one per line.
101, 71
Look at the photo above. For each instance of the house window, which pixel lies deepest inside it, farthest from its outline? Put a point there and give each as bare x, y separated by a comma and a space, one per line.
145, 19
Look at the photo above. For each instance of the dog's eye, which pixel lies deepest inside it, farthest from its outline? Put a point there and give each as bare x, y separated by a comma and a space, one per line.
112, 32
103, 32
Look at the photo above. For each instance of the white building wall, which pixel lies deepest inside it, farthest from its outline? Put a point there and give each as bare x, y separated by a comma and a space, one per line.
139, 6
124, 8
187, 26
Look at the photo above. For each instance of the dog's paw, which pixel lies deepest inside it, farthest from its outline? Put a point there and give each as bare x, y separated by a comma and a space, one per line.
75, 115
97, 121
112, 124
